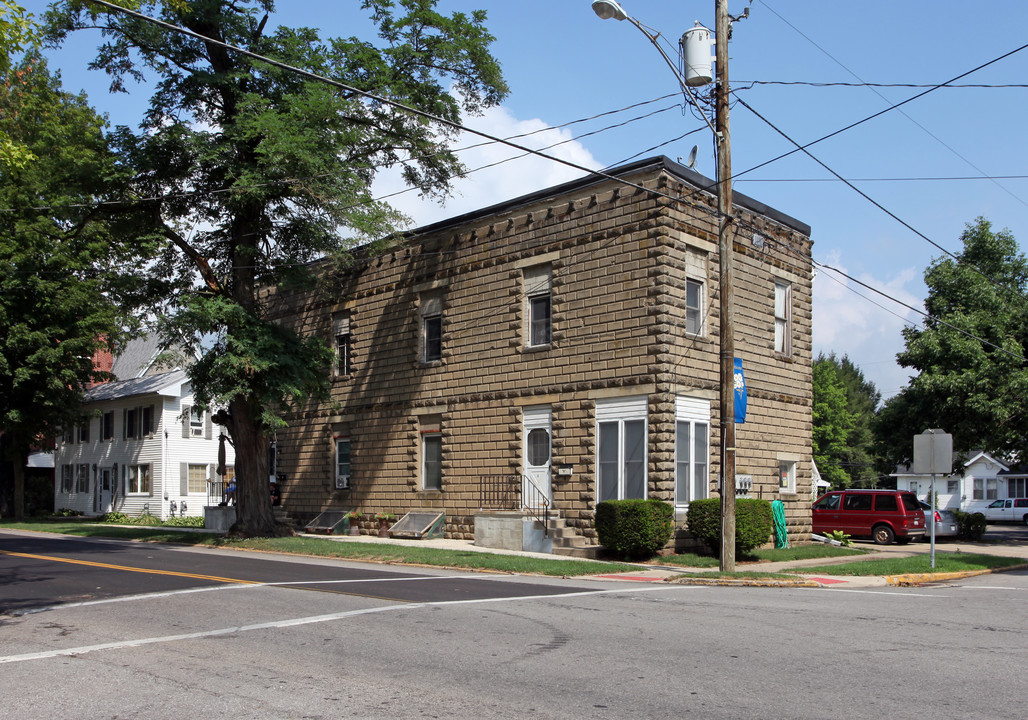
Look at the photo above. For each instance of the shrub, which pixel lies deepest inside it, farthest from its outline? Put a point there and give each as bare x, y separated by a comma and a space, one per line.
970, 526
192, 521
147, 519
753, 521
65, 512
634, 528
117, 518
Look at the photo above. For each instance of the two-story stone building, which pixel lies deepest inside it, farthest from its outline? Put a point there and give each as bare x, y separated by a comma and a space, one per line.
568, 337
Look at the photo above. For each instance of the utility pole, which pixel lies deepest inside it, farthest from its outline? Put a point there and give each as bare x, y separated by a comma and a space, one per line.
726, 286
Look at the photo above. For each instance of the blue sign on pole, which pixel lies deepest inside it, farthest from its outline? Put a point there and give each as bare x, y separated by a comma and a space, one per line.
739, 383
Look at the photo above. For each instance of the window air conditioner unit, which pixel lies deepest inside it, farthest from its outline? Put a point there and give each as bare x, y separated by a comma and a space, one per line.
342, 482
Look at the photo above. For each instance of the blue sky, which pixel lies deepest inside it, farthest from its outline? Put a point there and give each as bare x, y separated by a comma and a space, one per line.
927, 162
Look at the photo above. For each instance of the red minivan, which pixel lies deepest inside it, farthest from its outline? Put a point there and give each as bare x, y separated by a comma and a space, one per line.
882, 515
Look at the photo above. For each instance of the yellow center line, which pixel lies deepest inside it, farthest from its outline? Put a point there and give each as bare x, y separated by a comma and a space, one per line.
131, 569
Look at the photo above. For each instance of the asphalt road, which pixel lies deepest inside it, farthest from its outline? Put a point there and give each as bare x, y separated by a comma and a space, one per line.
338, 640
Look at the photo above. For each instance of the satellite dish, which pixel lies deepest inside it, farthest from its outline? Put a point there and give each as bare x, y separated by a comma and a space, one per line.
691, 162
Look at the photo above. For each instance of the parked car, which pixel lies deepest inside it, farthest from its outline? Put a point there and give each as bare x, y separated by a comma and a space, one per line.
1008, 510
945, 522
882, 515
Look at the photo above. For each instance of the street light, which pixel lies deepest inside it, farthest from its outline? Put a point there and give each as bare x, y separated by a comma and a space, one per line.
607, 9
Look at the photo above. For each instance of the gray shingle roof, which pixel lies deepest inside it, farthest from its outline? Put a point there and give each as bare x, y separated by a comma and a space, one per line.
136, 386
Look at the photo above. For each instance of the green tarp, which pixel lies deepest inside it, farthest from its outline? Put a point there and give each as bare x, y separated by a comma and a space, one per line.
778, 516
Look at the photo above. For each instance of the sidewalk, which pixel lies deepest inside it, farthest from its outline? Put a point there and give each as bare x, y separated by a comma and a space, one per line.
647, 572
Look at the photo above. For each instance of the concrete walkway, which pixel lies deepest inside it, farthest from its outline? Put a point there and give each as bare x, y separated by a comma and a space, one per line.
648, 572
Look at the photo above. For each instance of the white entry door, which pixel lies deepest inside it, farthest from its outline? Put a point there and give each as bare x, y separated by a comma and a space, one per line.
536, 451
106, 487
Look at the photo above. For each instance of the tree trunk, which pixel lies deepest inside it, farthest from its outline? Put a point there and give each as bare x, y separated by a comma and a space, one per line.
254, 516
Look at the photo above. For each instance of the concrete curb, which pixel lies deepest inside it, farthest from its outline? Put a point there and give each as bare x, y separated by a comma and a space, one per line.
922, 578
742, 582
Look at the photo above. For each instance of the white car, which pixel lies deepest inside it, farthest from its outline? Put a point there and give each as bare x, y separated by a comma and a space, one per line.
1008, 510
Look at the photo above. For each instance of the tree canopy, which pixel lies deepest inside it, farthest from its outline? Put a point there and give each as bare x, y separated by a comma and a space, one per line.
972, 376
62, 292
247, 171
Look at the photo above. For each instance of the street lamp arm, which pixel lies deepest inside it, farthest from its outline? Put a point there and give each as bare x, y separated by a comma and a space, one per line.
618, 13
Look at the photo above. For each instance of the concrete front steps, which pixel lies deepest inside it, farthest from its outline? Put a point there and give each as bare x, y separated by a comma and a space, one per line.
566, 541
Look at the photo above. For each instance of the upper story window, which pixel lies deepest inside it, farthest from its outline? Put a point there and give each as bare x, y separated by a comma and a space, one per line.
107, 425
538, 290
341, 340
130, 419
84, 431
783, 317
431, 327
147, 420
693, 307
196, 423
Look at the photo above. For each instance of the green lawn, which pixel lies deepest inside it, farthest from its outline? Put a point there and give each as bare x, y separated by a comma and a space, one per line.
802, 552
319, 547
944, 562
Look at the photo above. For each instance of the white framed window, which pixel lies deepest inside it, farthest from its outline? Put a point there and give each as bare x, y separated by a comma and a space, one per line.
991, 488
692, 450
195, 479
787, 476
1017, 487
137, 480
342, 462
432, 461
82, 478
67, 478
538, 283
431, 327
693, 307
952, 487
195, 422
341, 333
107, 425
621, 449
783, 317
84, 431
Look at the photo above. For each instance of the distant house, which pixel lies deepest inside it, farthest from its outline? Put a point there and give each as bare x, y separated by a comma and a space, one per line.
143, 447
557, 350
977, 481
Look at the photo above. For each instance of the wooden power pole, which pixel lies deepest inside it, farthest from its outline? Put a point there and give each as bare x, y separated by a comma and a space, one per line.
726, 287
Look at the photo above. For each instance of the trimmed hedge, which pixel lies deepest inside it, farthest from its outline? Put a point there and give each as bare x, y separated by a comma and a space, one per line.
634, 529
753, 523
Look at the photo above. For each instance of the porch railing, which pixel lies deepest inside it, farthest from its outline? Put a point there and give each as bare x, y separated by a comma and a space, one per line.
515, 492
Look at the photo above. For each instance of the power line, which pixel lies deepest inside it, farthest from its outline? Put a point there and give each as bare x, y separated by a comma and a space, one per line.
956, 86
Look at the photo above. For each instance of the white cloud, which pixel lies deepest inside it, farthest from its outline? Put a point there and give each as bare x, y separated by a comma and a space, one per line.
852, 320
519, 175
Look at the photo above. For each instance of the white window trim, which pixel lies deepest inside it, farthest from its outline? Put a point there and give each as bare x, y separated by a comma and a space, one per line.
787, 469
425, 436
342, 481
622, 410
783, 318
702, 299
538, 284
695, 411
129, 470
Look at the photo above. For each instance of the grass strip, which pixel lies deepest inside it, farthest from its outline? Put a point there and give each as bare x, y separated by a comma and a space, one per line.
944, 562
800, 552
350, 550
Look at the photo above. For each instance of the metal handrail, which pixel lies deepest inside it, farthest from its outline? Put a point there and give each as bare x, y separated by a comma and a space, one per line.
507, 492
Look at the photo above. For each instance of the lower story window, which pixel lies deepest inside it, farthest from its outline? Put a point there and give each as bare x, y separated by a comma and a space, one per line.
67, 479
82, 479
137, 479
786, 476
621, 449
691, 461
342, 463
432, 461
197, 482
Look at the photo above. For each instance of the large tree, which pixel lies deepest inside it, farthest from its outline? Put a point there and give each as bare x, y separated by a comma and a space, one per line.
831, 422
856, 455
250, 171
972, 376
18, 33
61, 290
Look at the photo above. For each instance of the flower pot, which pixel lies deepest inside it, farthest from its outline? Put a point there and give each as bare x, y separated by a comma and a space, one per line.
355, 528
383, 528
